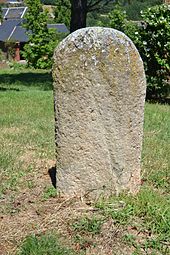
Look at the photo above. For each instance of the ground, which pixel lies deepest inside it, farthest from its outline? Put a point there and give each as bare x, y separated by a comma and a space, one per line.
31, 205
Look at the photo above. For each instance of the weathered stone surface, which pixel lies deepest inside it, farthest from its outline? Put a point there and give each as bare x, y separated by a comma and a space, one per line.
99, 93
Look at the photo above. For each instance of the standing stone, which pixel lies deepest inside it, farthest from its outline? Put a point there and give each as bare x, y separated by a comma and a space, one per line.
99, 94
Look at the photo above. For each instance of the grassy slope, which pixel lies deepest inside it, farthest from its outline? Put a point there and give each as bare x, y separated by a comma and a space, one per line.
27, 152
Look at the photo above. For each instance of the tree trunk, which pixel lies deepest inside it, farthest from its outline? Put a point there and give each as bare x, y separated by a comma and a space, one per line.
78, 14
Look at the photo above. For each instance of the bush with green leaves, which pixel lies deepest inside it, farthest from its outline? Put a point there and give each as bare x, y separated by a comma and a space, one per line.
154, 47
119, 21
134, 8
62, 12
39, 50
152, 39
118, 18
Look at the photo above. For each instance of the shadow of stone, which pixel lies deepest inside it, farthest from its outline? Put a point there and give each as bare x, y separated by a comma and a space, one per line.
52, 174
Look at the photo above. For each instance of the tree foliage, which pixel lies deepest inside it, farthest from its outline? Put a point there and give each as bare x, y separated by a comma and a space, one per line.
152, 38
118, 18
134, 8
74, 12
48, 2
62, 12
95, 12
154, 47
39, 50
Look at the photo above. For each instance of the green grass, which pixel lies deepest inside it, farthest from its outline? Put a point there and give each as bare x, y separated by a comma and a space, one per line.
25, 79
149, 210
26, 123
46, 244
49, 192
27, 137
85, 224
156, 147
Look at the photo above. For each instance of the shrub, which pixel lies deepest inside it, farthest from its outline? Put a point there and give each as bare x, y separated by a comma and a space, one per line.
62, 12
154, 47
152, 38
134, 8
118, 18
39, 50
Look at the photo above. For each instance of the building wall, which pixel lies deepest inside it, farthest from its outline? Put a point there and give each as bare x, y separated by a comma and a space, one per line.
167, 1
3, 51
11, 52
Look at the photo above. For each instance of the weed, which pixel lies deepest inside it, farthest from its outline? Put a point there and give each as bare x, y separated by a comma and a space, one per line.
130, 239
49, 192
92, 225
30, 184
43, 244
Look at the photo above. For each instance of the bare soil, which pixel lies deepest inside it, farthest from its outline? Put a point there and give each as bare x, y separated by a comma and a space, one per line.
28, 213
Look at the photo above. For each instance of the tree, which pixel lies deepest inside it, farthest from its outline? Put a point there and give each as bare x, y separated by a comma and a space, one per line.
133, 8
118, 18
62, 12
74, 12
80, 8
39, 49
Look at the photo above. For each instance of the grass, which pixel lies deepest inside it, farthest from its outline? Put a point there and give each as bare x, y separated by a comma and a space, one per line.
85, 224
49, 192
43, 244
30, 205
25, 79
156, 148
146, 216
26, 123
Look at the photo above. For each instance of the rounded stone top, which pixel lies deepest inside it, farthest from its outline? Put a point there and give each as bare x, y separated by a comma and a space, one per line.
96, 38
